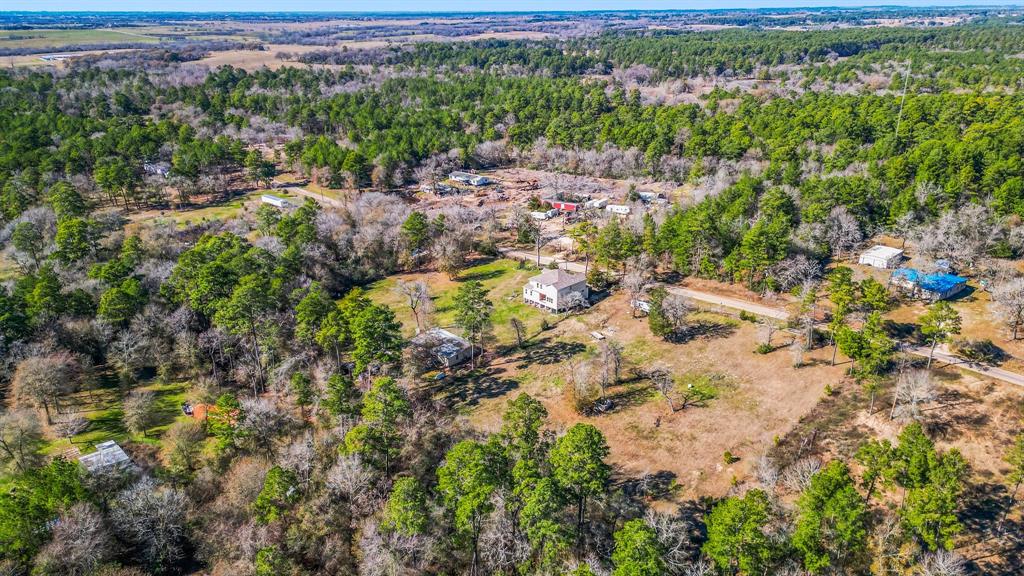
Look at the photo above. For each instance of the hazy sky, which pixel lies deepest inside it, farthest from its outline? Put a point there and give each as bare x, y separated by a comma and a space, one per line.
442, 5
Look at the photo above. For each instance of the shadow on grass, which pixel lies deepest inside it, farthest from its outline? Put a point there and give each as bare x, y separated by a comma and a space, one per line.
702, 329
902, 331
547, 352
469, 388
482, 275
951, 417
626, 395
654, 486
998, 552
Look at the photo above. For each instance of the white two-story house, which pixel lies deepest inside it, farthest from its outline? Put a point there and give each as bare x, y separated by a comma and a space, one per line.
552, 290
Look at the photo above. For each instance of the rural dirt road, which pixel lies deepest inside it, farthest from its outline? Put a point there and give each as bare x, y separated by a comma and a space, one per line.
314, 196
957, 362
767, 311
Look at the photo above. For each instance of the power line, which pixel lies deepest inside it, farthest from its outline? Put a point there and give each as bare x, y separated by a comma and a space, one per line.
903, 99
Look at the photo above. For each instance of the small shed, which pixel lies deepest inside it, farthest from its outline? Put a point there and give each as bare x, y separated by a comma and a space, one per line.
937, 286
449, 350
107, 455
879, 256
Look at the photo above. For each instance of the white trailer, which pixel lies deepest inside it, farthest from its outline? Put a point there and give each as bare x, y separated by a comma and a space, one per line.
275, 201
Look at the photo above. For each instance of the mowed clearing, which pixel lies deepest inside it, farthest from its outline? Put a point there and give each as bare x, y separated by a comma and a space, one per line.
502, 278
758, 398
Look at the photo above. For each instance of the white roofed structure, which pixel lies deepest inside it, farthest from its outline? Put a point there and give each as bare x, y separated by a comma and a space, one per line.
107, 455
879, 256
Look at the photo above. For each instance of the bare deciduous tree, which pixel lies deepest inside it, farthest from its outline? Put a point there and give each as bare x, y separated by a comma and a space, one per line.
585, 391
450, 251
676, 309
575, 302
1008, 297
352, 480
676, 535
520, 330
40, 381
21, 437
842, 231
80, 543
797, 476
769, 326
635, 281
796, 350
154, 520
660, 374
263, 424
767, 473
943, 563
913, 388
139, 410
417, 297
610, 355
798, 270
69, 425
962, 236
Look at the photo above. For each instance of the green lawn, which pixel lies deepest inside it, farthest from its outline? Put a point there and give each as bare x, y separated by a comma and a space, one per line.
502, 278
220, 211
103, 409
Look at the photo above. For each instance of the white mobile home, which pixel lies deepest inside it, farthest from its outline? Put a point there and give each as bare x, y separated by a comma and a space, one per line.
552, 290
617, 208
471, 179
275, 201
879, 256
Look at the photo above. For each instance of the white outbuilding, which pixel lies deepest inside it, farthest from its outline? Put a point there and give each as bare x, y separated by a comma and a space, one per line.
107, 455
880, 256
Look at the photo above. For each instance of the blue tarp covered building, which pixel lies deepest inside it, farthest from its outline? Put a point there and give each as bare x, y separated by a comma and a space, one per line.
937, 286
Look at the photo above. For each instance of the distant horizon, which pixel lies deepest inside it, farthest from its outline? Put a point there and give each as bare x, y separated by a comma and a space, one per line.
328, 7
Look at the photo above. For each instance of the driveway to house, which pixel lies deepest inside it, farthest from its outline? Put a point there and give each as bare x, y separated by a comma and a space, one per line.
736, 303
314, 196
700, 296
941, 355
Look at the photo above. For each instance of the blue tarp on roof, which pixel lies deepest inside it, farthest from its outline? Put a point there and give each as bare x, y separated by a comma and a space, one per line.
938, 282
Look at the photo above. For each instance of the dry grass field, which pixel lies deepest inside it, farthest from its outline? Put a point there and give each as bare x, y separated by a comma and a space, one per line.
758, 398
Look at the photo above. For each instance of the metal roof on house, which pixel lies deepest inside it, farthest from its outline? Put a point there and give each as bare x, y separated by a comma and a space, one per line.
558, 278
448, 345
880, 251
937, 282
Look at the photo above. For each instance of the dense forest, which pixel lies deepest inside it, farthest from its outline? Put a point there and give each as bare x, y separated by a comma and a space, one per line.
321, 453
